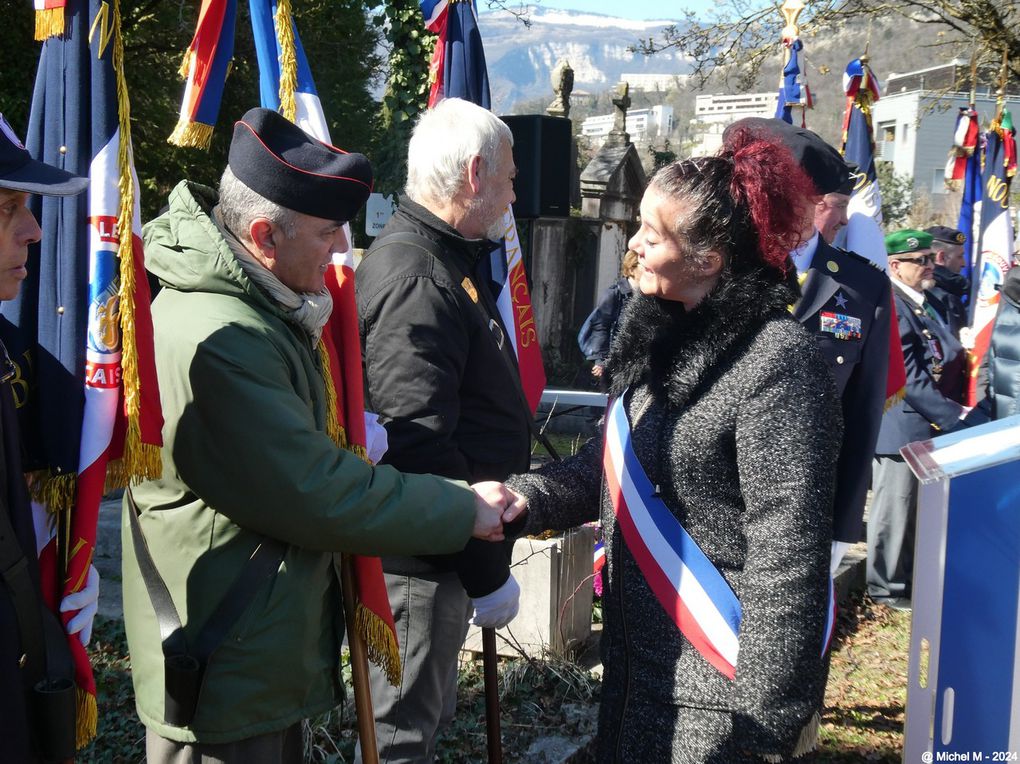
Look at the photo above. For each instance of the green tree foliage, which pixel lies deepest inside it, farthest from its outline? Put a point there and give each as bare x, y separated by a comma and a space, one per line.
18, 61
336, 36
406, 88
897, 195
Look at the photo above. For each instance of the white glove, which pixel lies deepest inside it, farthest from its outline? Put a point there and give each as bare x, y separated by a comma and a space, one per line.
376, 442
86, 602
496, 610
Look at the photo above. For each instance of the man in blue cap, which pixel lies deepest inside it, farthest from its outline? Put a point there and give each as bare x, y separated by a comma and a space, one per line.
936, 376
34, 659
951, 289
231, 594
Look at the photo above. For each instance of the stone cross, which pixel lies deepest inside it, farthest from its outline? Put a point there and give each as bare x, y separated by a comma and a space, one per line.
618, 136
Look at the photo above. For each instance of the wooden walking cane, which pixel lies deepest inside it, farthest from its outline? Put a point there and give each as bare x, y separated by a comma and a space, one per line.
493, 734
359, 667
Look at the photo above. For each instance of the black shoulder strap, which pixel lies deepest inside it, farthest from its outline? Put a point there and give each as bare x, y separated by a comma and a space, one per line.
259, 568
421, 242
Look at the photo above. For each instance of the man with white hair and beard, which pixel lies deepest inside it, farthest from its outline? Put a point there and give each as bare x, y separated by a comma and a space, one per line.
442, 374
936, 375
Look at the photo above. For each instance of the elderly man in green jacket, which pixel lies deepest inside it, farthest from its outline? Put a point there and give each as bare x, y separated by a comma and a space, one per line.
248, 464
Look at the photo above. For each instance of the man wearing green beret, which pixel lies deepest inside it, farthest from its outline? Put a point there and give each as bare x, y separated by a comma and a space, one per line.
936, 374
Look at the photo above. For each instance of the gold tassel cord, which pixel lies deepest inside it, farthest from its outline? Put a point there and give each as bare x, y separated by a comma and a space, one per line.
49, 22
380, 643
141, 460
288, 59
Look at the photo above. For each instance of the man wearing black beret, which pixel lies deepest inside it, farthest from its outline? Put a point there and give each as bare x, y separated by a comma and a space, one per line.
231, 594
845, 303
951, 289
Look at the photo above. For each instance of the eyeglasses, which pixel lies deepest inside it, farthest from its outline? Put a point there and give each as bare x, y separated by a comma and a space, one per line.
922, 260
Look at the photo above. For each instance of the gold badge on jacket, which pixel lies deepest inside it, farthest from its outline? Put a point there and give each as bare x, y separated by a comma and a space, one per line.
470, 289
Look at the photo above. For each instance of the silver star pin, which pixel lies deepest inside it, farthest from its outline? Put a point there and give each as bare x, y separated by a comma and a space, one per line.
840, 300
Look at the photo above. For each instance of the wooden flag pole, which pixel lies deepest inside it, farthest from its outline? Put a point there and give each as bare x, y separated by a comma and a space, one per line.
493, 734
359, 666
1000, 95
973, 74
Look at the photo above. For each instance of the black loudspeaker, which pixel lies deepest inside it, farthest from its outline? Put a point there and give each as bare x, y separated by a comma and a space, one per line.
543, 155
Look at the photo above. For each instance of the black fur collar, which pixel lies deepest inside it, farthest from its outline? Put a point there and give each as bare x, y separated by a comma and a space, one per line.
675, 352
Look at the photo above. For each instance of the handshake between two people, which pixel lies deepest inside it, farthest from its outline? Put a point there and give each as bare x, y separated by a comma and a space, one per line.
495, 504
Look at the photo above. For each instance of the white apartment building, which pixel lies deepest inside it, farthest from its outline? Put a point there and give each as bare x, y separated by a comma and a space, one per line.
914, 122
642, 124
651, 83
714, 113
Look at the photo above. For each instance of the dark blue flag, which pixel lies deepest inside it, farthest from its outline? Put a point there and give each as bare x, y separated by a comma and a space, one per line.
45, 327
971, 196
863, 232
464, 72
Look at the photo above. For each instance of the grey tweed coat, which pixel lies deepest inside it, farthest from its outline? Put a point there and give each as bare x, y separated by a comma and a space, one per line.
735, 416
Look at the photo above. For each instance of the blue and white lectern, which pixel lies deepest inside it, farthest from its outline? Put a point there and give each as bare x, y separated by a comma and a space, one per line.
963, 695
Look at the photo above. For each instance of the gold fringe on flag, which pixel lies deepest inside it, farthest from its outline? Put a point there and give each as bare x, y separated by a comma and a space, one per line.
87, 718
333, 429
187, 134
288, 59
380, 643
186, 63
49, 22
192, 135
57, 491
892, 400
141, 460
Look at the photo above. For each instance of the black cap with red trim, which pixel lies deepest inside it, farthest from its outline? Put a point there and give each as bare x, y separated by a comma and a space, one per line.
278, 160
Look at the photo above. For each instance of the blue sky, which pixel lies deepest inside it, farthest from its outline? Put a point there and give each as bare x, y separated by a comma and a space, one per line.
629, 9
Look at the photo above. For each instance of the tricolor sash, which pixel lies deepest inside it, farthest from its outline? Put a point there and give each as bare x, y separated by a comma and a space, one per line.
689, 587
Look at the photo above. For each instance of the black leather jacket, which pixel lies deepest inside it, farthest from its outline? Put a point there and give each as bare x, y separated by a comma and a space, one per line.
431, 339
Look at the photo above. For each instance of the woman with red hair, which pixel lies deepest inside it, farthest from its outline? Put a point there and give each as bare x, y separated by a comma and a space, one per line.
718, 464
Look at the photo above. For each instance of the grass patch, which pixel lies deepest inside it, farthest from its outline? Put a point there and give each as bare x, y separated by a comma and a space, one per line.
120, 736
554, 700
867, 690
